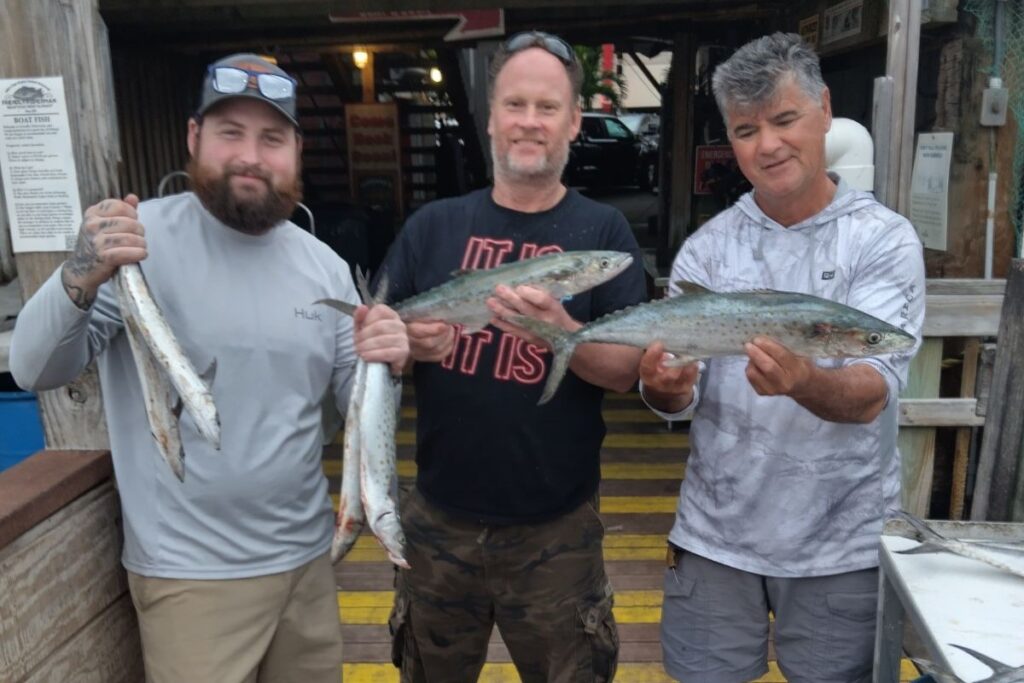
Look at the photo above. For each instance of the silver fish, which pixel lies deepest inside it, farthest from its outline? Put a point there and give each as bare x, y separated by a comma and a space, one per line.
351, 517
463, 299
378, 472
149, 328
1002, 557
705, 324
1001, 672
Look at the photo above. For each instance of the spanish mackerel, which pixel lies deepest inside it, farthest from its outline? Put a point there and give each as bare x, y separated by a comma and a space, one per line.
463, 299
351, 517
705, 324
148, 328
1001, 672
370, 450
1003, 557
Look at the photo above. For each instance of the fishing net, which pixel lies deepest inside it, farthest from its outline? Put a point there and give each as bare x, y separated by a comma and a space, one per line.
1012, 72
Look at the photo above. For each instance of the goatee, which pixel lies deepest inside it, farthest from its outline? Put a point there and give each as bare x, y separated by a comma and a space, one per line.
254, 216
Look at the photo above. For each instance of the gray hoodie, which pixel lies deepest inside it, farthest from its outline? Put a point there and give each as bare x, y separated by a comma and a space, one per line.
770, 488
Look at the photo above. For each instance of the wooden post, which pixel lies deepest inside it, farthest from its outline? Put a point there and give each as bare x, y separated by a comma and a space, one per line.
917, 444
369, 91
998, 494
901, 65
680, 195
72, 416
964, 435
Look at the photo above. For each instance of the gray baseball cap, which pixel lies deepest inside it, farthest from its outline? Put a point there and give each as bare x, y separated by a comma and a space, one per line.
248, 75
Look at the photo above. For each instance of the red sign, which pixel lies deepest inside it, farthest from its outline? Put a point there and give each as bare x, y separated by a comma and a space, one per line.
470, 23
710, 161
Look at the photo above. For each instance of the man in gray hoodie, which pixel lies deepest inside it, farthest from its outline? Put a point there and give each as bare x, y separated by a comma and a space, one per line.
793, 464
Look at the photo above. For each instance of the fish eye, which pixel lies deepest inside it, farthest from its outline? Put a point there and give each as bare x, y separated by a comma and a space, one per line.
874, 338
605, 262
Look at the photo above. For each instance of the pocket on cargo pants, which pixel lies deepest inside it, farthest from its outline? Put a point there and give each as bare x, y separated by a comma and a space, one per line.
404, 652
602, 637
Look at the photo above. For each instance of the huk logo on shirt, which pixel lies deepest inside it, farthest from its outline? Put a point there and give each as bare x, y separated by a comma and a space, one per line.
303, 314
828, 274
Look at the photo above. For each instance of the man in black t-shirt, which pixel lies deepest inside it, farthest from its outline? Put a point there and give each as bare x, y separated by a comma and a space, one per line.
502, 525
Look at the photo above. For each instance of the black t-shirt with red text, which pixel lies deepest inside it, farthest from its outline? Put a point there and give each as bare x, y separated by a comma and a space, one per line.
485, 450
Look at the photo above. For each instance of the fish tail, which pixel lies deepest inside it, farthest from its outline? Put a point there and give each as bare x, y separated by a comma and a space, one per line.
338, 305
562, 345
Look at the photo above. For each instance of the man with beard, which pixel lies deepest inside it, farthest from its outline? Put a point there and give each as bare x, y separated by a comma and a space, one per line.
228, 569
502, 525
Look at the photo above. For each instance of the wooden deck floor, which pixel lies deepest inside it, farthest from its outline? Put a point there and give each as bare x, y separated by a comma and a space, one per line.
641, 465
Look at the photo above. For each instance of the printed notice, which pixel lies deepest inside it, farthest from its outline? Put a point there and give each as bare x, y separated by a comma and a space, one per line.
929, 188
37, 165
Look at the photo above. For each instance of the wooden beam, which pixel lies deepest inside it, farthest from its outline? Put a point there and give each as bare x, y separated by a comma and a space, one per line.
957, 315
367, 76
939, 412
964, 436
680, 177
72, 416
997, 491
901, 65
917, 444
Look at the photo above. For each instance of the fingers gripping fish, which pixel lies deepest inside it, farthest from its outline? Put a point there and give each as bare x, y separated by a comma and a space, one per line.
160, 362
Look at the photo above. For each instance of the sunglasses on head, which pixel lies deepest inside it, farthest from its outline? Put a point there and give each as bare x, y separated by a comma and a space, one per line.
231, 80
552, 44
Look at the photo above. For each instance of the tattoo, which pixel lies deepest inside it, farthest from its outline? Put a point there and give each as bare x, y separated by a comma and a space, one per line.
78, 295
78, 267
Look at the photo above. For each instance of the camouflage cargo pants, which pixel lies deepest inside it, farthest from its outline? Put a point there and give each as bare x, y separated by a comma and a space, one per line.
544, 585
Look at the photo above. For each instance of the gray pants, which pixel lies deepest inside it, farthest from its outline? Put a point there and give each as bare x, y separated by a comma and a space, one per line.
714, 624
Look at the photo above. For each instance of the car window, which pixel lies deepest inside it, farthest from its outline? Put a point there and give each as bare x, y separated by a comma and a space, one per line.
617, 130
592, 128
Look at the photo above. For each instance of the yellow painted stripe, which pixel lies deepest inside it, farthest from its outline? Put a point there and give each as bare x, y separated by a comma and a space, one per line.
368, 599
626, 541
378, 616
615, 504
628, 672
374, 553
609, 470
677, 440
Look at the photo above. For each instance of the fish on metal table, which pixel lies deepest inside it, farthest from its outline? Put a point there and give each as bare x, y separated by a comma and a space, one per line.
1001, 672
704, 324
1001, 556
463, 299
162, 363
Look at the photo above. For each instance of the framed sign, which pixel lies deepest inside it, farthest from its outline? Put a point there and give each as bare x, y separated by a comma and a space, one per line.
809, 30
375, 156
844, 20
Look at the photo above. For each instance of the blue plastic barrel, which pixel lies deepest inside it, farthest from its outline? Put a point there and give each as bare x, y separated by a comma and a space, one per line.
21, 430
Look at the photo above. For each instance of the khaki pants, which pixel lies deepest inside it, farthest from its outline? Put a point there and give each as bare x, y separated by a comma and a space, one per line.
281, 628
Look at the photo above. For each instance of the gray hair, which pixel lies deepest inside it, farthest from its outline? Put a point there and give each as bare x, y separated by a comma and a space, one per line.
750, 78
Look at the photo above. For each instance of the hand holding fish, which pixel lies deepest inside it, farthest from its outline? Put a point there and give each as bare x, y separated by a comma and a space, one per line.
380, 337
430, 341
774, 370
110, 236
667, 388
531, 302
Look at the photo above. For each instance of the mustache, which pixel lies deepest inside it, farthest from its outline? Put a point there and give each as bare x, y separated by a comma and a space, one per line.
253, 170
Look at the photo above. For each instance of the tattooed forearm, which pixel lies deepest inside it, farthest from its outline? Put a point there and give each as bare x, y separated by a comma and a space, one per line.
78, 295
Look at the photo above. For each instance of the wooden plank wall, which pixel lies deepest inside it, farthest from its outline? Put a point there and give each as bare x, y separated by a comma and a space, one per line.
66, 614
156, 93
67, 38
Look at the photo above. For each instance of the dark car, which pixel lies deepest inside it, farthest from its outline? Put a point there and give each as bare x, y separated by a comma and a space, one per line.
607, 153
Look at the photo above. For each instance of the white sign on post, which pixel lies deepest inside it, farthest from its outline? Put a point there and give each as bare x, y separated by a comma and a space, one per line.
37, 165
929, 188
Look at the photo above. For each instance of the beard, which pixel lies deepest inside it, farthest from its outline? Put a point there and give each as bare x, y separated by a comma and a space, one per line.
550, 166
252, 216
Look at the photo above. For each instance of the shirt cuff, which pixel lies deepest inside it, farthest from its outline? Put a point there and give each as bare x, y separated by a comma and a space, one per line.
681, 414
891, 381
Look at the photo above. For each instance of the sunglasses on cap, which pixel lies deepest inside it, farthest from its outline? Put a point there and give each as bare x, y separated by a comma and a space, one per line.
231, 80
552, 44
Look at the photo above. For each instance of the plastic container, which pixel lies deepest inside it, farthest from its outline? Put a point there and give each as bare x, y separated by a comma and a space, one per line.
21, 429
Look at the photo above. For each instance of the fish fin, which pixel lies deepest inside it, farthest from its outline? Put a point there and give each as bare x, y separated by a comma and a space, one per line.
562, 345
994, 664
678, 361
209, 374
383, 284
460, 272
363, 284
474, 325
687, 287
923, 549
926, 532
338, 305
